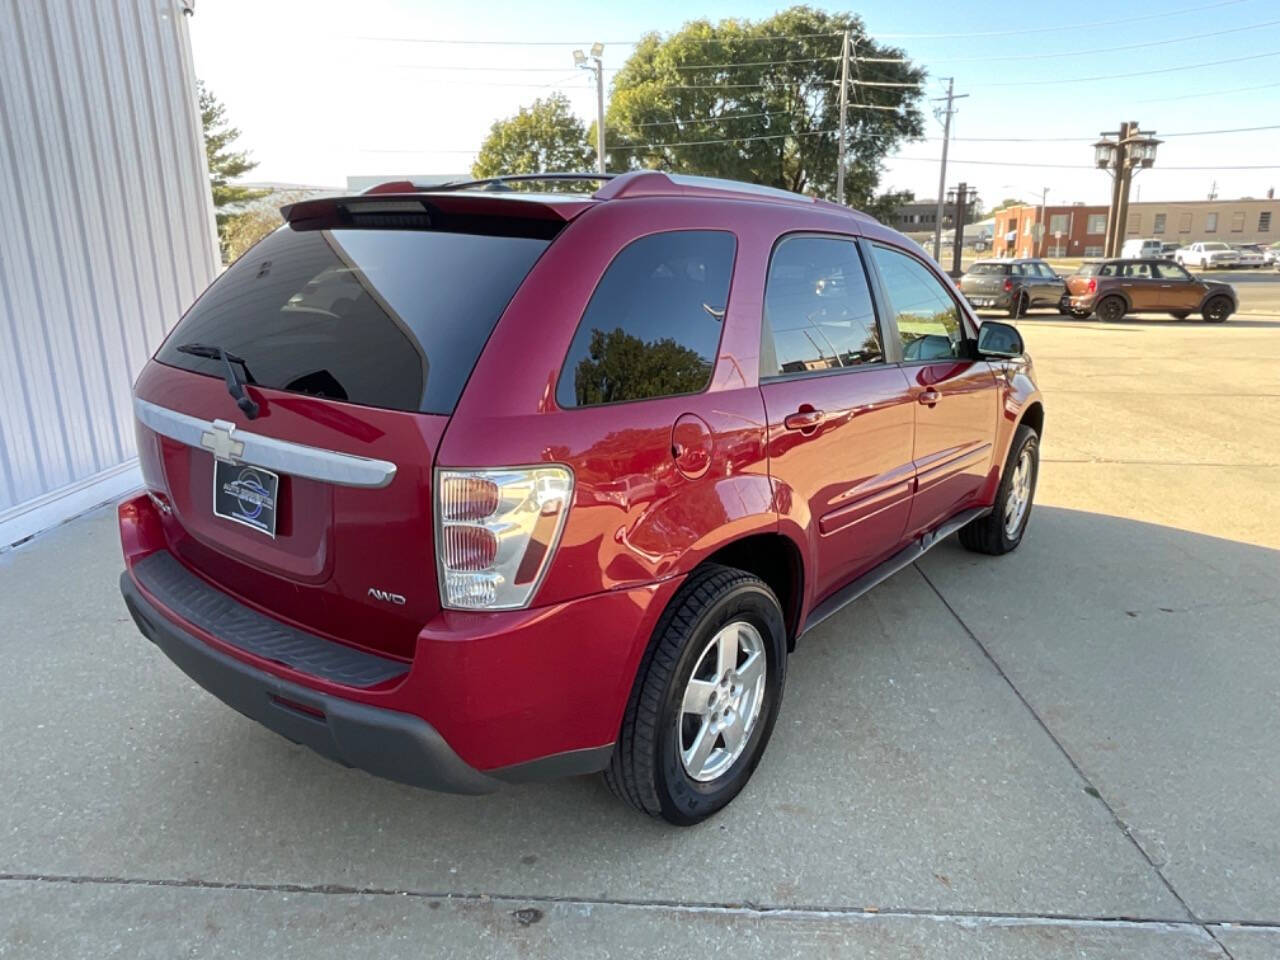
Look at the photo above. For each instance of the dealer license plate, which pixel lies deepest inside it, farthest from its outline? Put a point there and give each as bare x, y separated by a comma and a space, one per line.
246, 494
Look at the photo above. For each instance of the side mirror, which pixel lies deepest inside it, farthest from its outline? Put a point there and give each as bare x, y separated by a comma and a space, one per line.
996, 339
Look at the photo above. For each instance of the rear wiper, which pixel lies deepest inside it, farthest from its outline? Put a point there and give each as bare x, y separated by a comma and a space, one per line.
234, 385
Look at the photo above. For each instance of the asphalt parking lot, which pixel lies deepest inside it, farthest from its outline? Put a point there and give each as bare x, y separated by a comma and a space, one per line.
1070, 751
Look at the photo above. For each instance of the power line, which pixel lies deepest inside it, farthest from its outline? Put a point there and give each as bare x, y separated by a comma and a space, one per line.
1209, 93
755, 63
702, 143
469, 67
1138, 73
1097, 50
1062, 26
729, 86
706, 66
1188, 133
1083, 166
577, 43
1077, 53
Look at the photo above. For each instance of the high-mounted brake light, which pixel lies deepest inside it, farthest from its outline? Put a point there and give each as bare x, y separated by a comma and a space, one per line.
496, 531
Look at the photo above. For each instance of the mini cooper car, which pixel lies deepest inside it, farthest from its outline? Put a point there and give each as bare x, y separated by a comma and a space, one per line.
472, 485
1013, 285
1113, 288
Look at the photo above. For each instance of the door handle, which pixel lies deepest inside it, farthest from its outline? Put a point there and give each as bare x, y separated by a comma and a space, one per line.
929, 396
804, 419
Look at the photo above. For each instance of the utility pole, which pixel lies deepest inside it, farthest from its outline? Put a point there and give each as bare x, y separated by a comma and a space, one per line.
962, 198
580, 60
951, 97
844, 107
1041, 225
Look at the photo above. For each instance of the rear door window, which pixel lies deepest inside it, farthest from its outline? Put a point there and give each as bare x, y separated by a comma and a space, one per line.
652, 328
383, 318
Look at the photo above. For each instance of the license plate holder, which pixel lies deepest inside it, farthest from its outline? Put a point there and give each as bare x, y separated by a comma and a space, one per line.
245, 494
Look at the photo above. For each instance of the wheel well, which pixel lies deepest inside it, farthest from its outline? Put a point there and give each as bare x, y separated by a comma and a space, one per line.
776, 560
1033, 417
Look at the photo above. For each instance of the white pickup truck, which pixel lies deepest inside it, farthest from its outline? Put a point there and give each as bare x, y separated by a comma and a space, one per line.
1207, 255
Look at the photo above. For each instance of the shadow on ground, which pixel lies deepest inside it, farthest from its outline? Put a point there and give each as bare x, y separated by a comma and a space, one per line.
906, 772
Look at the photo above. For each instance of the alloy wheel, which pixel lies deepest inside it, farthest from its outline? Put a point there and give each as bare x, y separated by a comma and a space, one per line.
1019, 498
722, 701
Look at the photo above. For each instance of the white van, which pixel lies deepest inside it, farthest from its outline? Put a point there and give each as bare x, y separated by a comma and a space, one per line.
1142, 250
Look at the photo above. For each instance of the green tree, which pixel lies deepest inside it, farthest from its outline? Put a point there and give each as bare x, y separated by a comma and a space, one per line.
886, 204
225, 163
619, 366
770, 87
543, 137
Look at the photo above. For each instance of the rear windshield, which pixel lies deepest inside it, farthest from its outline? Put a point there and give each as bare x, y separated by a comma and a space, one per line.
383, 318
1088, 269
989, 269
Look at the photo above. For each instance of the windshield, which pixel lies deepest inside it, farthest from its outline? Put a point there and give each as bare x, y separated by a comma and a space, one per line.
989, 269
384, 318
1216, 246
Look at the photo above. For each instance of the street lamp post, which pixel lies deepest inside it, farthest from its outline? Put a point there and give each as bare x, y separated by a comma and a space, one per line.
580, 59
1122, 158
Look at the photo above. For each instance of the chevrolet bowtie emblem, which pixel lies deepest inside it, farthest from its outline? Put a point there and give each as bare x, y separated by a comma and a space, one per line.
220, 441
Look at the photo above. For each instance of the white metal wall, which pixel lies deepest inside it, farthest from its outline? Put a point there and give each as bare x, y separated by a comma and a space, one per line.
106, 236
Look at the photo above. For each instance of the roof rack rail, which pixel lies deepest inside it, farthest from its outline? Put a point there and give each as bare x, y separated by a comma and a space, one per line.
500, 183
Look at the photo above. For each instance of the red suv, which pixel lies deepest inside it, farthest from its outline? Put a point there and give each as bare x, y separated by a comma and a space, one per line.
477, 485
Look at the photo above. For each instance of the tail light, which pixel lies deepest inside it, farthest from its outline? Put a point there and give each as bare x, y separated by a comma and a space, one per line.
1008, 284
1093, 284
496, 531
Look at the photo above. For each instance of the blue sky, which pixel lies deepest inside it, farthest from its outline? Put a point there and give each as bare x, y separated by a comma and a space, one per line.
316, 100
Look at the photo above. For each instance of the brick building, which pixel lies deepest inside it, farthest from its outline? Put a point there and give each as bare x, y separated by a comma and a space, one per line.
1079, 230
1074, 230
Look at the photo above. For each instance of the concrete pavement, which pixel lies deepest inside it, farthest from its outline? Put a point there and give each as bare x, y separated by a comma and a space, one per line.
1070, 751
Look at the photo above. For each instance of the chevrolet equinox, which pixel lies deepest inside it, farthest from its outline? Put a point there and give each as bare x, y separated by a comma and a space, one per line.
477, 484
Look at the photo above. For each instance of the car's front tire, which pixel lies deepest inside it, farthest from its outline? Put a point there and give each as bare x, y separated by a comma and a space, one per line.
1001, 530
704, 700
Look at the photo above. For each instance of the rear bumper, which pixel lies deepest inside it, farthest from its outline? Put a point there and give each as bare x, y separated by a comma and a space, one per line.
990, 301
383, 742
487, 698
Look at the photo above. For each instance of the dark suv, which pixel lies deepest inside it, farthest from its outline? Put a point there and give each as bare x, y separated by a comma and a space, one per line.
465, 487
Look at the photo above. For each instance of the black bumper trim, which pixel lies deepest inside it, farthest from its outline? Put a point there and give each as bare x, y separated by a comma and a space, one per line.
196, 602
387, 743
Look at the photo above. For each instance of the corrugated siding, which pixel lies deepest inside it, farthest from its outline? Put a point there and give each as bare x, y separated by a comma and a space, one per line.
107, 228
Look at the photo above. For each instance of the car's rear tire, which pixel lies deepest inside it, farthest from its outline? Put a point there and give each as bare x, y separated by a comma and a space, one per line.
1179, 314
1217, 309
690, 740
1111, 309
1001, 530
1019, 306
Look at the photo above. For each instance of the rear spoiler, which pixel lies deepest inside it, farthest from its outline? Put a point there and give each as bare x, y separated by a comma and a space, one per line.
508, 214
